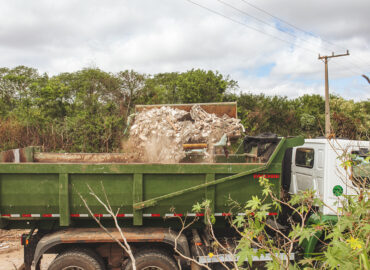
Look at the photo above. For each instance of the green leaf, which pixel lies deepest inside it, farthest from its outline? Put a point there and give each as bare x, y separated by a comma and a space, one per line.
239, 221
254, 203
197, 208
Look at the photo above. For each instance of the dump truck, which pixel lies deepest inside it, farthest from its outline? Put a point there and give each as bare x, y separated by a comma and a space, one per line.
45, 193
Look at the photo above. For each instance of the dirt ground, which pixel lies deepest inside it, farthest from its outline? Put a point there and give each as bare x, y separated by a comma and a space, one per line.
11, 251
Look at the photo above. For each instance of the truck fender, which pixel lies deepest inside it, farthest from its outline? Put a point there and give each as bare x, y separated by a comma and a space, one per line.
83, 236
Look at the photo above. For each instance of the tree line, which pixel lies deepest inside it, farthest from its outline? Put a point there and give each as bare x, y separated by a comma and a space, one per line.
87, 110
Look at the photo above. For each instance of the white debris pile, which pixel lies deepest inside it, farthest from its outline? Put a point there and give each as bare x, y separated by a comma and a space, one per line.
159, 134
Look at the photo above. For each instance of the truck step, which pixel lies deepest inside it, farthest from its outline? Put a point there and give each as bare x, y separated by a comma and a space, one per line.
229, 258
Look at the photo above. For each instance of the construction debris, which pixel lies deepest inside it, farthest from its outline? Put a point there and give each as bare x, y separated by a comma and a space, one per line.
158, 134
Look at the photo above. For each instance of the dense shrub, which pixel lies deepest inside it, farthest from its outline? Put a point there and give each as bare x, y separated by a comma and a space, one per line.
87, 110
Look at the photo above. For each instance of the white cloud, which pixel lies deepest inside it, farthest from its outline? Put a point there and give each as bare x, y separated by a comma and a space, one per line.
165, 36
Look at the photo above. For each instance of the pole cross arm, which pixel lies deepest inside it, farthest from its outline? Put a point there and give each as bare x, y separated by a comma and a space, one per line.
333, 55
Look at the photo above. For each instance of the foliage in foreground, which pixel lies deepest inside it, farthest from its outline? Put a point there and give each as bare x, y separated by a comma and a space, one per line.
343, 240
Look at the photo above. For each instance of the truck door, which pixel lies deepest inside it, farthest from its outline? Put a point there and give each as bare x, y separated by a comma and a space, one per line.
303, 169
319, 172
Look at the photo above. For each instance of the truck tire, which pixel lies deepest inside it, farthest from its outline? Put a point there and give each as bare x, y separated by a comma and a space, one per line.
77, 259
151, 259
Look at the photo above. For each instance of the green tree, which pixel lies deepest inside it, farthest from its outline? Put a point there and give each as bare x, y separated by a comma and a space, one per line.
93, 121
15, 88
197, 86
350, 119
161, 89
130, 88
310, 112
260, 113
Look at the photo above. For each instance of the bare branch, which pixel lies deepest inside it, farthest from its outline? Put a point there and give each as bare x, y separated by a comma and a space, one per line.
184, 226
126, 247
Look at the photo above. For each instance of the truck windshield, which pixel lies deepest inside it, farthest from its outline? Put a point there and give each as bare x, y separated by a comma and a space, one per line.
361, 167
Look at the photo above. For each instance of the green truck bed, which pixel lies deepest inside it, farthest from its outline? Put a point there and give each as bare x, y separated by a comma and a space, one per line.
46, 195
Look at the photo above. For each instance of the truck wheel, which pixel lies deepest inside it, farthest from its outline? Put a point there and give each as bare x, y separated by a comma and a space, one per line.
77, 259
153, 260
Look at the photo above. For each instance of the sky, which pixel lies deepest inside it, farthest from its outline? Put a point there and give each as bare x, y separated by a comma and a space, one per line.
268, 46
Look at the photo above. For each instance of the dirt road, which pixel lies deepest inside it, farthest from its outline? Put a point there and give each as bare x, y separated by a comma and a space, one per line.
11, 251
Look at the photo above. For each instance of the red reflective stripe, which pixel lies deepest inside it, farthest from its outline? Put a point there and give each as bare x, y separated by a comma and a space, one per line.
199, 214
120, 215
177, 215
272, 214
47, 215
226, 214
156, 215
26, 215
75, 215
5, 215
98, 215
272, 176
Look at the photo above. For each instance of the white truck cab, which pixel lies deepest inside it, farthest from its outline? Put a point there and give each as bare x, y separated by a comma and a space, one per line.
317, 165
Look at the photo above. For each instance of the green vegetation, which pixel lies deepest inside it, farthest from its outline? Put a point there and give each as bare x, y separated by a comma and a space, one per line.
87, 110
342, 241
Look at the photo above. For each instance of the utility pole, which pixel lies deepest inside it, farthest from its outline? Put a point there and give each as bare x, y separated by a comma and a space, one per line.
327, 107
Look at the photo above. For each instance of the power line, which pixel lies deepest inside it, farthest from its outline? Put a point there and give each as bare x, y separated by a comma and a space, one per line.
285, 32
256, 18
290, 24
264, 33
248, 26
358, 67
355, 69
344, 70
299, 29
355, 64
273, 26
266, 23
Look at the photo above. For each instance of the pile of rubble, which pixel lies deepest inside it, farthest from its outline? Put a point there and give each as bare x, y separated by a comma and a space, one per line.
159, 134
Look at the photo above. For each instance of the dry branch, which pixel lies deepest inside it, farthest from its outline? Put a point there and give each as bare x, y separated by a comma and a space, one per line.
126, 247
